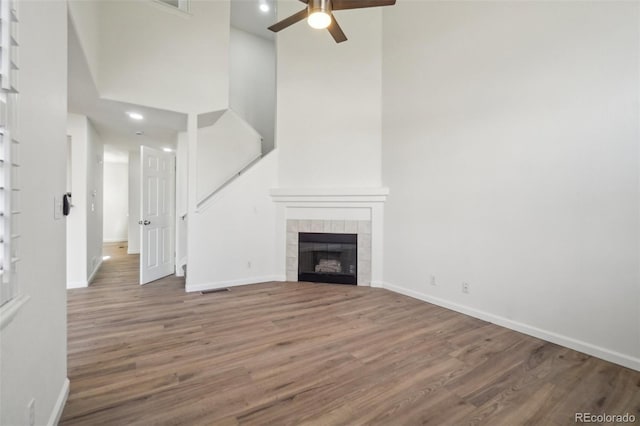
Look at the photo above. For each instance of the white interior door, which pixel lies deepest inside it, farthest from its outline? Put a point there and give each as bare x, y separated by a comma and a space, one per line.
157, 210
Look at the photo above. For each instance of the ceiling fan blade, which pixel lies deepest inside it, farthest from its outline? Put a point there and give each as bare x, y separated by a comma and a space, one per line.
359, 4
336, 31
289, 21
305, 1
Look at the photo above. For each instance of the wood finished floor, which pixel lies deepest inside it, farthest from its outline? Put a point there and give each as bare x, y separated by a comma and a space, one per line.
313, 354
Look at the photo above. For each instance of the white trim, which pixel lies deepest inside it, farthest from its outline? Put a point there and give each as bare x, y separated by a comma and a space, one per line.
77, 284
83, 284
377, 284
95, 271
179, 265
233, 283
336, 203
10, 309
54, 418
178, 11
578, 345
327, 195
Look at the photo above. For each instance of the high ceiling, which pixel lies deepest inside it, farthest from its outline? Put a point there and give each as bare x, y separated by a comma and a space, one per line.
159, 127
247, 16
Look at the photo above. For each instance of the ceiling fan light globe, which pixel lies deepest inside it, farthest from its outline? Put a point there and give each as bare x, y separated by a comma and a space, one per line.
319, 20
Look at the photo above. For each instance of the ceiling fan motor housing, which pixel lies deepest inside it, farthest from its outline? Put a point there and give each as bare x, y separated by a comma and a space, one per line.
319, 6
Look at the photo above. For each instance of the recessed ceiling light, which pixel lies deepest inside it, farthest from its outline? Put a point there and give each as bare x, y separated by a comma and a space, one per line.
135, 115
264, 7
167, 149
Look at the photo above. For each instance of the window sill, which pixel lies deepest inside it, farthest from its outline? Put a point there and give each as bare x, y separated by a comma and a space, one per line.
172, 9
11, 309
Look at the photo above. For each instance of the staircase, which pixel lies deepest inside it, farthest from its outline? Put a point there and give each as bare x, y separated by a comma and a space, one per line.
230, 228
227, 147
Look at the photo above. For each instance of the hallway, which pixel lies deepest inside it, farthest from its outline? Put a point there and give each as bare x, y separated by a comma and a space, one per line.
110, 324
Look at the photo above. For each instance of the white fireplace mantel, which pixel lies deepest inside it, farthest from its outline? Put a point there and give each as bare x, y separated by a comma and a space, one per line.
317, 207
340, 195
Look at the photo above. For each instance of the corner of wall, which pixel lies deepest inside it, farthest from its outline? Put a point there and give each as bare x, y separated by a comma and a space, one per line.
230, 242
58, 408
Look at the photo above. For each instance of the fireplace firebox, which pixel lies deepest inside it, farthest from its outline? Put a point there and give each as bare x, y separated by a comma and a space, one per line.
328, 258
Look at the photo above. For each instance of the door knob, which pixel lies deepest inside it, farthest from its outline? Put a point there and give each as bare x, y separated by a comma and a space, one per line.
144, 222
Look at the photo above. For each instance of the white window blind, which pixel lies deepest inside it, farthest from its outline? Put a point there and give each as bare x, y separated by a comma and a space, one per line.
9, 144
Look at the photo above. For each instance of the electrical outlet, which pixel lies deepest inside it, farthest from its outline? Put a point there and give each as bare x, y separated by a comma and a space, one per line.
432, 280
31, 412
465, 287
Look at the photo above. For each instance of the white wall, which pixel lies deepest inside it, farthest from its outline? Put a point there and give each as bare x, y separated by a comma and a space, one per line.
116, 201
84, 232
252, 82
231, 239
224, 149
134, 202
77, 128
175, 61
85, 16
95, 196
510, 146
33, 349
329, 102
182, 204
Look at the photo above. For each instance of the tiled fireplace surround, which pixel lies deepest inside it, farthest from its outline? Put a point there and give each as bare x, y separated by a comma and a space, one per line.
332, 210
360, 227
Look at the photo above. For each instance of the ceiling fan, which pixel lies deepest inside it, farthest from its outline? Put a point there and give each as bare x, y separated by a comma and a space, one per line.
319, 14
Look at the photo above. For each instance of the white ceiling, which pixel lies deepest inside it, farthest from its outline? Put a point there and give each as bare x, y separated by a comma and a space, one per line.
159, 127
247, 16
109, 117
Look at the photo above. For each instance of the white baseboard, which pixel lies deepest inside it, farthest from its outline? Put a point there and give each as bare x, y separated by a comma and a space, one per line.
232, 283
377, 284
54, 418
131, 251
179, 265
114, 240
578, 345
77, 284
95, 271
83, 284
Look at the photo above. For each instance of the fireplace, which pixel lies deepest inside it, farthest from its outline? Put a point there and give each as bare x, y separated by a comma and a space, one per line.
334, 210
328, 258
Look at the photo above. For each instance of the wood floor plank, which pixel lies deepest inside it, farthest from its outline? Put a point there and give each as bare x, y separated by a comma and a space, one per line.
313, 354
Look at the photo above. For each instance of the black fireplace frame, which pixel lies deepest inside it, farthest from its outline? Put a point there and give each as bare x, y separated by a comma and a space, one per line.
323, 277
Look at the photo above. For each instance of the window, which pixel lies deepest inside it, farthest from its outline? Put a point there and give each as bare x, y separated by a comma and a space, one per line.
179, 4
9, 143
